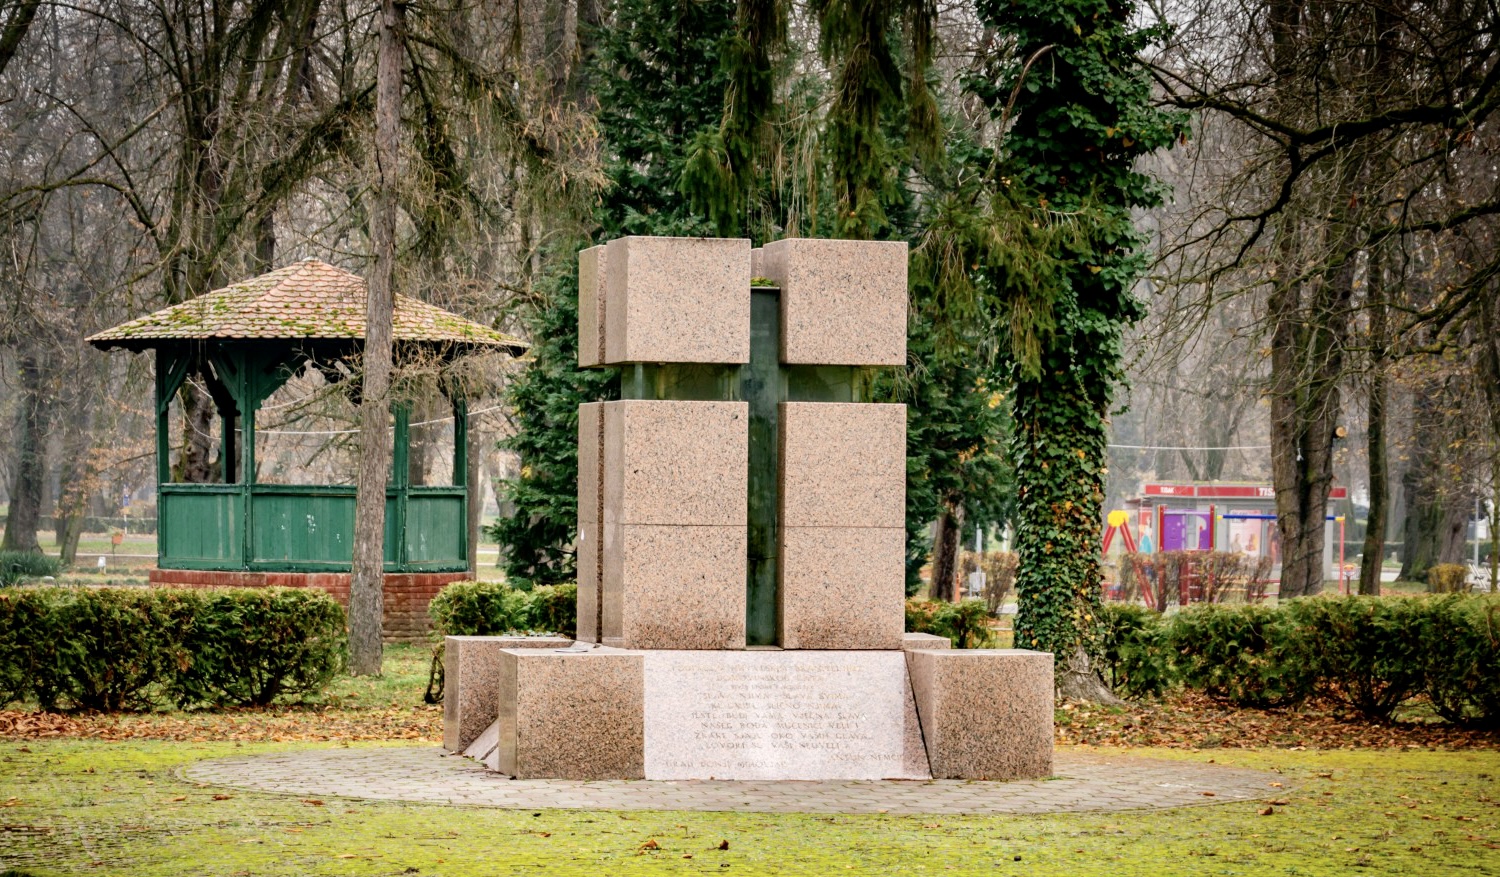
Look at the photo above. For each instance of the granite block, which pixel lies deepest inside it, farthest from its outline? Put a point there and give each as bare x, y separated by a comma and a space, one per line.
590, 460
842, 587
470, 676
677, 300
925, 641
674, 587
590, 545
671, 462
781, 715
986, 713
574, 715
591, 306
843, 464
842, 302
590, 580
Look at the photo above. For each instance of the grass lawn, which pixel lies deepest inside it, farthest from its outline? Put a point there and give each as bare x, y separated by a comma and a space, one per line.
75, 806
102, 795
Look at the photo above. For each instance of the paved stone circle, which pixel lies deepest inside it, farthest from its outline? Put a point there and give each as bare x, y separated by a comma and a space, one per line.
1082, 782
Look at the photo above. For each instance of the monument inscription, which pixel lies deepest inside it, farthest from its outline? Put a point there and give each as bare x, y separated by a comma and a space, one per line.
756, 714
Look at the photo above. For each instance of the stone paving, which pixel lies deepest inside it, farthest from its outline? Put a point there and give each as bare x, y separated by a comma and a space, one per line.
1082, 782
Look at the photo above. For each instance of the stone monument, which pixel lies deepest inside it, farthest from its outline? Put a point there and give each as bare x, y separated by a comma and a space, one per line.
741, 545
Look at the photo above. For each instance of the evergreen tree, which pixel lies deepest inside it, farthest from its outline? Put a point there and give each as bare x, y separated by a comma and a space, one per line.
1059, 256
659, 79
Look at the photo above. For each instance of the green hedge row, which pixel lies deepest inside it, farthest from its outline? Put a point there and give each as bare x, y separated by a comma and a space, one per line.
496, 608
1371, 653
129, 648
966, 623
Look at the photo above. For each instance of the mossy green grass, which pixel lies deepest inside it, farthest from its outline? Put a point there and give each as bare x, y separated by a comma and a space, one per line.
92, 807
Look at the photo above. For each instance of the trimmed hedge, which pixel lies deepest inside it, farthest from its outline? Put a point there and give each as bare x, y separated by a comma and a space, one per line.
1371, 653
128, 648
966, 624
496, 608
1245, 655
1136, 656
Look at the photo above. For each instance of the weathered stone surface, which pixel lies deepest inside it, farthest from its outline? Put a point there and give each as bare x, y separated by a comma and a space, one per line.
672, 462
591, 305
924, 641
590, 543
843, 464
780, 715
842, 587
677, 300
842, 302
471, 675
674, 587
571, 714
590, 581
986, 713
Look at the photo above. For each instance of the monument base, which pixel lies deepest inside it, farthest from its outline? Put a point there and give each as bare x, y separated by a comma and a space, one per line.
766, 714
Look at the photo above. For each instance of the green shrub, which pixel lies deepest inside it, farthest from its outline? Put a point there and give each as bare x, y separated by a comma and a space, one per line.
1448, 578
1245, 655
1134, 650
1460, 642
496, 608
965, 624
554, 608
1364, 651
112, 646
18, 566
247, 647
135, 648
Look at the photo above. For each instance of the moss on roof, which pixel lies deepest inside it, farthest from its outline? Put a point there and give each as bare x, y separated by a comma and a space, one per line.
307, 300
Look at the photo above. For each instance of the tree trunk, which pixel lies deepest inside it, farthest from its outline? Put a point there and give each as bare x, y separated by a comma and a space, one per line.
1437, 505
30, 470
195, 463
77, 478
1373, 555
945, 548
366, 590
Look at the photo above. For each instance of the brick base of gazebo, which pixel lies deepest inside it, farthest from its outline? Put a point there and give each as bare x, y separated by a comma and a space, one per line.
406, 594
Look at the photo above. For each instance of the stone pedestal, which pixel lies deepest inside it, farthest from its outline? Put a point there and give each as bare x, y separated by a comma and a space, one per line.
471, 682
574, 715
986, 713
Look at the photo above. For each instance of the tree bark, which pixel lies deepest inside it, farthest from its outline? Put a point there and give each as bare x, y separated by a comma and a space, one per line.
30, 470
945, 549
1373, 555
366, 590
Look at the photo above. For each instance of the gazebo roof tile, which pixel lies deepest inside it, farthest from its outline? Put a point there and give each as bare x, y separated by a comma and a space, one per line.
306, 300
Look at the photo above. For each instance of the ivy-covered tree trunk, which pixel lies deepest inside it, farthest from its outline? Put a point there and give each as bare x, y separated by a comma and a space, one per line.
1057, 445
1080, 112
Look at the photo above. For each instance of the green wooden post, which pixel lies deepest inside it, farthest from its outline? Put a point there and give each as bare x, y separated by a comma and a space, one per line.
401, 475
461, 468
245, 398
460, 441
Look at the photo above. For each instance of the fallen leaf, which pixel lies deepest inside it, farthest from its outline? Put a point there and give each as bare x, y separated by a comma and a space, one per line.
222, 797
723, 844
1268, 811
312, 802
650, 845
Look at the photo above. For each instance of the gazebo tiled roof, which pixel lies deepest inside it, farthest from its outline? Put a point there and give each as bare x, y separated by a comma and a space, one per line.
308, 300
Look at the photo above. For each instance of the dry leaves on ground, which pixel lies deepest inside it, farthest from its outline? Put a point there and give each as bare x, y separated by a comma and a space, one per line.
1190, 720
275, 724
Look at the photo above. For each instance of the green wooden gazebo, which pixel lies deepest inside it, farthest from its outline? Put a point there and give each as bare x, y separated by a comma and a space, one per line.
244, 342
